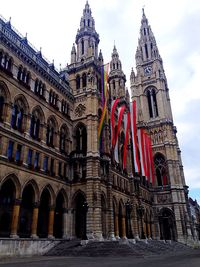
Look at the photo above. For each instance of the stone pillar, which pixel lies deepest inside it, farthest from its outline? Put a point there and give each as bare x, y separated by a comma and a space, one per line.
116, 223
65, 224
149, 230
51, 222
35, 221
124, 228
156, 231
134, 222
110, 217
15, 218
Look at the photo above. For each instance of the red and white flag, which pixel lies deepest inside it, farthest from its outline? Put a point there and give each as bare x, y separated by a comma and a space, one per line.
113, 109
141, 144
120, 116
133, 114
127, 126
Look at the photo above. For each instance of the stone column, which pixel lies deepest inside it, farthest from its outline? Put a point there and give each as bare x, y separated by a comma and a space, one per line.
110, 217
124, 228
116, 223
51, 222
15, 218
35, 221
134, 222
65, 224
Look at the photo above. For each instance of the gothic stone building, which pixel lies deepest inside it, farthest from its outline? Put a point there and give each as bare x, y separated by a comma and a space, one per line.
55, 181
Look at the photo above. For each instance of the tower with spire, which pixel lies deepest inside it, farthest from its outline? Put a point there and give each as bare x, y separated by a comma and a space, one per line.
117, 78
149, 88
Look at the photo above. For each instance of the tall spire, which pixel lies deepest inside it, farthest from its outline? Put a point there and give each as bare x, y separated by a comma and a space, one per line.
117, 78
147, 48
87, 39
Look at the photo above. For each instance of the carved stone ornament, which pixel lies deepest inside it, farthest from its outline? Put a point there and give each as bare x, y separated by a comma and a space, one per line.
164, 198
80, 110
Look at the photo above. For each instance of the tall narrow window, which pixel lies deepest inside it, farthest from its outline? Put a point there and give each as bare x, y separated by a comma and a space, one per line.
1, 107
52, 168
60, 168
81, 140
14, 116
152, 103
45, 164
161, 170
82, 47
18, 153
36, 160
146, 51
78, 83
10, 150
29, 157
20, 119
84, 80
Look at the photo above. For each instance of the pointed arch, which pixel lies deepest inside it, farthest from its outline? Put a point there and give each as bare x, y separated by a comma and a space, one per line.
20, 110
49, 188
84, 80
4, 100
161, 171
151, 92
13, 177
35, 187
64, 139
80, 138
80, 215
8, 193
78, 192
65, 197
37, 119
78, 82
52, 129
167, 224
5, 91
40, 112
26, 210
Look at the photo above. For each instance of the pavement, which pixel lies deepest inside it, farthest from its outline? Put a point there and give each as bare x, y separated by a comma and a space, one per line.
189, 259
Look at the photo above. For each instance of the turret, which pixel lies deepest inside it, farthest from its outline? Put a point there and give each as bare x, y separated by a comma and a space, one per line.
117, 78
73, 54
87, 39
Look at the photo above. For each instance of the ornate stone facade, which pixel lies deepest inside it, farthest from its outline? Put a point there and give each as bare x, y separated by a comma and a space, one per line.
55, 180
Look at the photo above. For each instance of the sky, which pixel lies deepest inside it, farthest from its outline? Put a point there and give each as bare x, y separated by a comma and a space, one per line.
52, 26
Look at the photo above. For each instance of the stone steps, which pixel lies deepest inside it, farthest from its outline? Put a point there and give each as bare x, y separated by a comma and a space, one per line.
116, 248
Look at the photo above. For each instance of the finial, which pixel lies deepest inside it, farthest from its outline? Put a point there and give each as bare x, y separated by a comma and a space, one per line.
10, 19
26, 35
40, 49
60, 66
53, 61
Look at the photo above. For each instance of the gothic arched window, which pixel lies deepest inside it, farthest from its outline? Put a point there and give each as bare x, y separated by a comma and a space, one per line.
84, 80
1, 107
78, 83
36, 120
17, 118
50, 134
64, 139
81, 139
82, 47
160, 169
152, 103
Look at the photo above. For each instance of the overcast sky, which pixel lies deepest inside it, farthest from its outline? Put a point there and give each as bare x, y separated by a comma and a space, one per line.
52, 25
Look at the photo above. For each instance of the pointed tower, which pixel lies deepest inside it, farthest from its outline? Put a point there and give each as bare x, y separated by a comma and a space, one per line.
85, 80
149, 88
117, 78
87, 39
